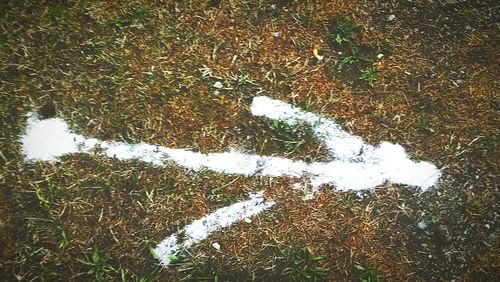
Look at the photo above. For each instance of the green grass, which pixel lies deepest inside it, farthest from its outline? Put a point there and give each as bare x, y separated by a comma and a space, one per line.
424, 124
366, 274
369, 75
98, 263
343, 30
301, 264
292, 137
359, 54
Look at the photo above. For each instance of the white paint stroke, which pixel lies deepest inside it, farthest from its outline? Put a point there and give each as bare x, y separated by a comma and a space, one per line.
201, 228
340, 144
353, 164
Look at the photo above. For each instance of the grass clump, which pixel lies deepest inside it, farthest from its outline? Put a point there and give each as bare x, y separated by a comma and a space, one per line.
369, 75
358, 57
291, 136
343, 29
99, 265
424, 124
302, 264
366, 274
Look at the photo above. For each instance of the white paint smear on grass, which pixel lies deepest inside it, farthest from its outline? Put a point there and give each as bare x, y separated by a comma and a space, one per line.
201, 228
353, 165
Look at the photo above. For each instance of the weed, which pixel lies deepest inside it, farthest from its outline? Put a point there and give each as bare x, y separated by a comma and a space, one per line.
302, 264
65, 240
359, 53
99, 264
424, 124
364, 274
343, 29
153, 253
174, 258
42, 197
205, 272
370, 75
244, 79
292, 137
349, 202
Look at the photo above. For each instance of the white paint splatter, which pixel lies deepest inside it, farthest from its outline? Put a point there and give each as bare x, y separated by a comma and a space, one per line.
201, 228
49, 139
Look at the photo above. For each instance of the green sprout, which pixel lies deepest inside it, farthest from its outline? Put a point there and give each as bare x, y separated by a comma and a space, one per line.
370, 75
292, 136
424, 124
344, 29
357, 55
366, 274
98, 263
302, 264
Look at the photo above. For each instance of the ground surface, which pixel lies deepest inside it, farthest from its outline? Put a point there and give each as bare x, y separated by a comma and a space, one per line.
152, 72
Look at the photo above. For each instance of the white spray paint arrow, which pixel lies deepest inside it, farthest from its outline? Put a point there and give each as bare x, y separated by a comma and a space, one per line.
353, 164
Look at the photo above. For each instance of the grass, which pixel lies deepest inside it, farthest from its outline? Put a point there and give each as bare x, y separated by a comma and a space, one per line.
65, 240
367, 274
303, 265
424, 124
98, 264
343, 30
369, 75
293, 137
145, 72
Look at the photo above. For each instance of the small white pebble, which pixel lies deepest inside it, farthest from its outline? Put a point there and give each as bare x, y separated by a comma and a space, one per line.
218, 85
247, 220
308, 196
216, 246
391, 17
422, 224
